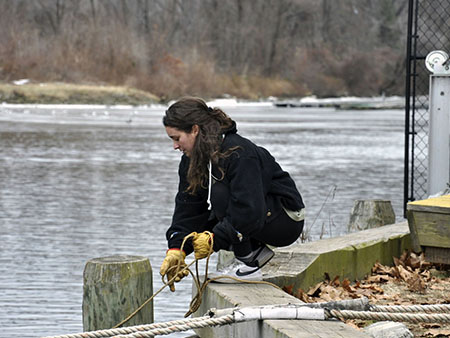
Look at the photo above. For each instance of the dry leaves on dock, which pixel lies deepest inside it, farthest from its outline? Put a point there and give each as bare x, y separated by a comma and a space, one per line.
411, 280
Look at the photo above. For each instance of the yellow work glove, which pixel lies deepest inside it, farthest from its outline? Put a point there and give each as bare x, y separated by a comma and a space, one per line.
202, 243
169, 266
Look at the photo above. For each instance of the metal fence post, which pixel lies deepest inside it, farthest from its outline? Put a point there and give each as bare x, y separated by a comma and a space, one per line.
428, 29
439, 124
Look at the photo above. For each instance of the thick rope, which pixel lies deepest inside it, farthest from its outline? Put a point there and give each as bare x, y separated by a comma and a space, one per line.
130, 329
397, 317
154, 329
443, 308
180, 328
228, 316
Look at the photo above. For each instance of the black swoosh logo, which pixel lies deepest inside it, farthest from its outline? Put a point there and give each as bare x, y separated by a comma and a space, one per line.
243, 274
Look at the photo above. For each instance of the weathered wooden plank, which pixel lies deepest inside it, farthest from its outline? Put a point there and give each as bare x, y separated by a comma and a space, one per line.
413, 231
437, 255
432, 229
428, 208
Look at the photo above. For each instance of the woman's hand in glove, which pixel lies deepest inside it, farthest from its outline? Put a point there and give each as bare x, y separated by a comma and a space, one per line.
169, 267
202, 243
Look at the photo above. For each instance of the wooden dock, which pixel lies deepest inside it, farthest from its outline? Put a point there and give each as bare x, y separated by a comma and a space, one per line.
394, 102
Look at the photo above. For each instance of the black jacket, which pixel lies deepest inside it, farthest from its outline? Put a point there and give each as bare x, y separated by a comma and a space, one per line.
255, 189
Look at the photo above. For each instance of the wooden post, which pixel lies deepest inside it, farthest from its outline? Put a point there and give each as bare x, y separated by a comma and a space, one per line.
367, 214
429, 225
114, 287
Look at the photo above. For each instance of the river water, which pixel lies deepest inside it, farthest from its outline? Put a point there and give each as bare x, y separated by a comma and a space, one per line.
84, 182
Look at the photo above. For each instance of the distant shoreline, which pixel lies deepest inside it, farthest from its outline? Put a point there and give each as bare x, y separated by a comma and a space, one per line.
63, 93
74, 94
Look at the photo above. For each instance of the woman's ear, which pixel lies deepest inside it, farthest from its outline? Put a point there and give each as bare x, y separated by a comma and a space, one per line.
195, 129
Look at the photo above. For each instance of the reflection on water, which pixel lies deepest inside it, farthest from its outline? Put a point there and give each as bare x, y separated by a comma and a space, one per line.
82, 183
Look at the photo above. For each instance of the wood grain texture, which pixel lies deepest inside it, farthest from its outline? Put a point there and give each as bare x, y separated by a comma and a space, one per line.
113, 288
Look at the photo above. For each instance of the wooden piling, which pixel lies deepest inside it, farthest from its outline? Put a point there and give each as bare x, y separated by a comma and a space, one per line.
367, 214
114, 287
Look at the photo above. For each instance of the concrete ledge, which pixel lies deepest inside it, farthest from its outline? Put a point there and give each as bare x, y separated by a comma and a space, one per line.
350, 256
301, 266
223, 296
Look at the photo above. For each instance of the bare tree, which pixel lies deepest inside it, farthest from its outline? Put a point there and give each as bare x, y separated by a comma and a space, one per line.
135, 42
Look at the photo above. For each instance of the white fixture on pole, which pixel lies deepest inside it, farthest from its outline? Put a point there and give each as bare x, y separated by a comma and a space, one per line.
438, 63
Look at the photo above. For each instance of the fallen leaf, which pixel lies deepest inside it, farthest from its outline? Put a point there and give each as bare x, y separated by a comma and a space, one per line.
332, 292
300, 294
335, 281
397, 262
415, 283
383, 269
437, 333
288, 288
430, 325
364, 292
352, 324
346, 285
404, 273
315, 290
413, 261
378, 279
426, 274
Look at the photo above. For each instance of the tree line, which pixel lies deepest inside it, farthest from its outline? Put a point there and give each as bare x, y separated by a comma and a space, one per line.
246, 48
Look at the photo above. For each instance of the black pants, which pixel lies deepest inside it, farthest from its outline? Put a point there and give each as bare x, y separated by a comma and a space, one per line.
281, 231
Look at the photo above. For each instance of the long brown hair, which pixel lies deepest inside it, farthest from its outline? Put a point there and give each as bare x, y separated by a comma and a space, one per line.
190, 111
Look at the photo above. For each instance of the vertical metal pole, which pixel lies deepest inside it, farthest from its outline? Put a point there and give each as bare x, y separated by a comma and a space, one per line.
407, 106
439, 134
413, 110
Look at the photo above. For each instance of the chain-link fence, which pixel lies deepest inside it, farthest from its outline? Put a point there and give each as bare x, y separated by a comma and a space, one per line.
428, 30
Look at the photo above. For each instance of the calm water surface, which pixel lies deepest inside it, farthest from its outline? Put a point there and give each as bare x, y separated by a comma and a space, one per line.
78, 183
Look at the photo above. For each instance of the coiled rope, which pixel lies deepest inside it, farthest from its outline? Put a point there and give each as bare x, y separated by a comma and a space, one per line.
396, 317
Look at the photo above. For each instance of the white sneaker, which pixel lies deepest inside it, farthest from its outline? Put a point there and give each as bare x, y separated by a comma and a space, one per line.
236, 273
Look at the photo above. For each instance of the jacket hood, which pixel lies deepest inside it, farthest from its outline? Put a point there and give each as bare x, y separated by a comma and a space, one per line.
231, 130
